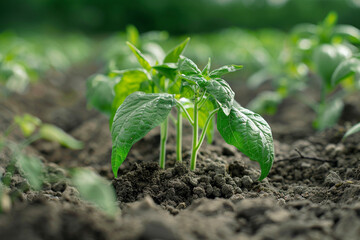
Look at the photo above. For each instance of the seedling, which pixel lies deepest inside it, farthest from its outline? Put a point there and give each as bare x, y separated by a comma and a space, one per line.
107, 93
327, 52
332, 51
89, 184
354, 129
140, 112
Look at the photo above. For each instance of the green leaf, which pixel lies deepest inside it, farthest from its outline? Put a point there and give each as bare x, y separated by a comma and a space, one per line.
186, 90
27, 123
345, 69
194, 79
266, 102
54, 134
206, 69
96, 190
221, 91
188, 67
304, 30
327, 57
100, 92
132, 35
140, 57
130, 82
329, 114
168, 70
225, 70
32, 169
174, 54
331, 19
249, 133
352, 130
139, 113
348, 32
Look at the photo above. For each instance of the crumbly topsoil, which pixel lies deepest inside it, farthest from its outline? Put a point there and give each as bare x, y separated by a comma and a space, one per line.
315, 198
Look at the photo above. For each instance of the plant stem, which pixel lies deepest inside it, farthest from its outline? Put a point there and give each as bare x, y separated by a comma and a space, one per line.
185, 111
203, 133
195, 137
163, 134
179, 135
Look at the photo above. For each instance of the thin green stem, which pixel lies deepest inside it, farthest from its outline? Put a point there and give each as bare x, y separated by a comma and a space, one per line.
202, 100
185, 111
203, 133
195, 137
179, 135
163, 134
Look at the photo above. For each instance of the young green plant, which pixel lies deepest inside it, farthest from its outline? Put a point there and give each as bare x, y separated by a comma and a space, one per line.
107, 93
140, 112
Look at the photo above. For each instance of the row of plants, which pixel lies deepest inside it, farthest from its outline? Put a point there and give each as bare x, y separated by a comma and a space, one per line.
137, 100
26, 59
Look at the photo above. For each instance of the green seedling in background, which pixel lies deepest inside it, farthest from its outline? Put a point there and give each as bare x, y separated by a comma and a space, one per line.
89, 184
354, 129
24, 60
141, 111
96, 190
328, 52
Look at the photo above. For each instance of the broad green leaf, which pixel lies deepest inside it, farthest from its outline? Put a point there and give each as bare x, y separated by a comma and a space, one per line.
265, 103
27, 123
348, 32
175, 87
249, 133
345, 69
100, 92
140, 57
32, 169
327, 57
221, 91
54, 134
195, 79
139, 113
354, 129
329, 114
169, 70
206, 69
188, 67
174, 54
96, 190
225, 70
186, 90
129, 83
132, 35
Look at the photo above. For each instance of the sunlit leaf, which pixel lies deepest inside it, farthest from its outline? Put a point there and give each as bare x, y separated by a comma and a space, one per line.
139, 113
249, 133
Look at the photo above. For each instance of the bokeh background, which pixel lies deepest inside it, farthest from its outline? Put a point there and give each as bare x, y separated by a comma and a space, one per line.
176, 17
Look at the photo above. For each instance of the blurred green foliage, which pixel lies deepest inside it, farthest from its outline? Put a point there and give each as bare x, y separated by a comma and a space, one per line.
24, 59
176, 17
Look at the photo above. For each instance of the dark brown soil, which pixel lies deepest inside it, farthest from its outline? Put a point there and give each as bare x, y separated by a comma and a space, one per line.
222, 199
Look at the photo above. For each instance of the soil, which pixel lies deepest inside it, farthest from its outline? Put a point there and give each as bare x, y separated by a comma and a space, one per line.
312, 196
